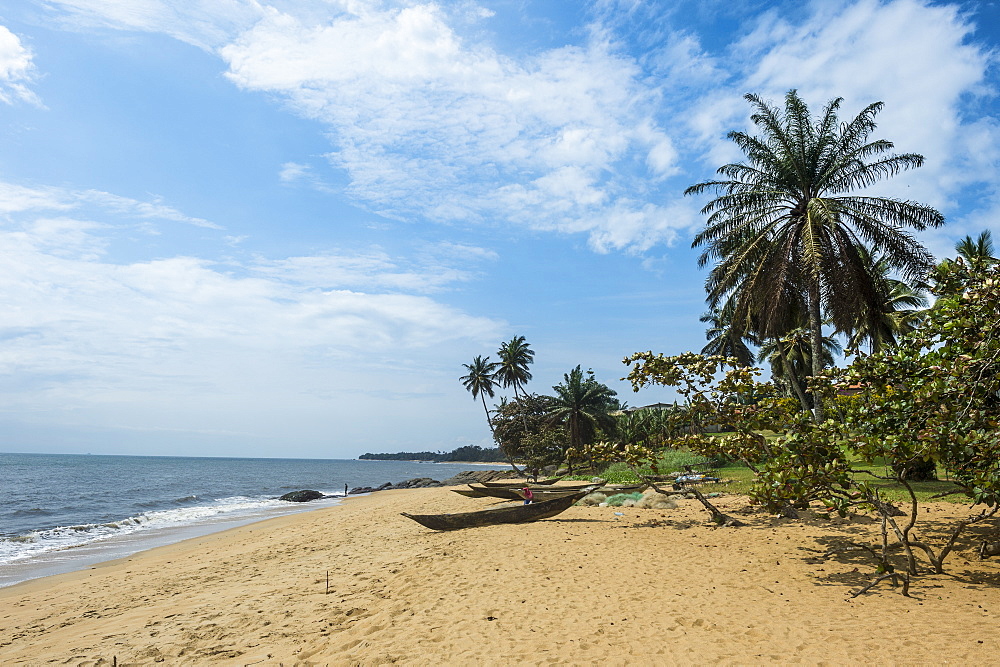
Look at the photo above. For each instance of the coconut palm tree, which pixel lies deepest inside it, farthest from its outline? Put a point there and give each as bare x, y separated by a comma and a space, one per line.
782, 221
481, 382
900, 312
790, 357
727, 337
632, 427
978, 253
582, 405
515, 357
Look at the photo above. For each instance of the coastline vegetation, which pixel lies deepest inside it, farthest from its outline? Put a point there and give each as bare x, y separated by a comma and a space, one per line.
802, 260
466, 454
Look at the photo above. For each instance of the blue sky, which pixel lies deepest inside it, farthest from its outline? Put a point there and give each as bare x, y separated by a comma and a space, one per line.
280, 227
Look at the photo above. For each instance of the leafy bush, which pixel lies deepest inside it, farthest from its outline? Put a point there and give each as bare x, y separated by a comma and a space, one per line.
932, 399
675, 459
621, 473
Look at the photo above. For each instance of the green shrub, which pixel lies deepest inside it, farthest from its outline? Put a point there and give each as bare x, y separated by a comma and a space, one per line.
621, 473
675, 459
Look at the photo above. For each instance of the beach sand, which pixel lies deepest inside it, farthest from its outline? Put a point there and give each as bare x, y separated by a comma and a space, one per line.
589, 586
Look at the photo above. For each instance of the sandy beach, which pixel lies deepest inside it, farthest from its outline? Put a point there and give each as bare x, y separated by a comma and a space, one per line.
614, 586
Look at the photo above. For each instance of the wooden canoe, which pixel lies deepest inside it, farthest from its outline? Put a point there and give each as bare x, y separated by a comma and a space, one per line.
515, 514
470, 493
513, 483
559, 491
498, 492
511, 493
541, 495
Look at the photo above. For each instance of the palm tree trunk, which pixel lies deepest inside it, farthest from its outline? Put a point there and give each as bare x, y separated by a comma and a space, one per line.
493, 431
792, 380
816, 344
489, 421
574, 438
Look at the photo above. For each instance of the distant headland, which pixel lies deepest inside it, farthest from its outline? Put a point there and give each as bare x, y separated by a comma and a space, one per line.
467, 454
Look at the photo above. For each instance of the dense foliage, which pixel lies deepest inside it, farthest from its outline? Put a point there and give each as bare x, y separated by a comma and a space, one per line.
540, 431
937, 395
934, 397
517, 424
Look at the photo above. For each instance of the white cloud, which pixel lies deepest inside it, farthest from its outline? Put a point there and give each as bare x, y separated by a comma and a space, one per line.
202, 23
641, 226
70, 253
15, 198
921, 59
915, 57
662, 157
293, 171
372, 270
87, 336
463, 251
428, 123
16, 69
148, 210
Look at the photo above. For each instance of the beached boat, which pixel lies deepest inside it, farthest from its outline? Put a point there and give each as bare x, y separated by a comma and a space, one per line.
513, 483
511, 492
498, 492
564, 487
538, 495
541, 495
560, 491
470, 493
515, 514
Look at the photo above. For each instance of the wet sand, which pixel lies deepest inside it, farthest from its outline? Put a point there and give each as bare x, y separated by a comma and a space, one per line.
615, 586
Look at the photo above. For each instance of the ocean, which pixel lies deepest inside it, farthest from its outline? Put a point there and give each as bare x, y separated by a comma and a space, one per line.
60, 513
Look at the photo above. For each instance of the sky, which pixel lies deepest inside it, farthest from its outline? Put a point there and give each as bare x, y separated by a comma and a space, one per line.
279, 228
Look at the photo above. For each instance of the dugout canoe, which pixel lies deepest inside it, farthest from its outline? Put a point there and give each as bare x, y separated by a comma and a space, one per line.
572, 486
559, 492
498, 492
511, 493
515, 514
508, 483
470, 493
541, 495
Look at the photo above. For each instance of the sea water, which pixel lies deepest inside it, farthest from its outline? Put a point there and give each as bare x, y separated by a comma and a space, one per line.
60, 513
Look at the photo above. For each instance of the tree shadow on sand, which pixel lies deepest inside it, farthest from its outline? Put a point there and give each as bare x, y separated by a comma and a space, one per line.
849, 545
